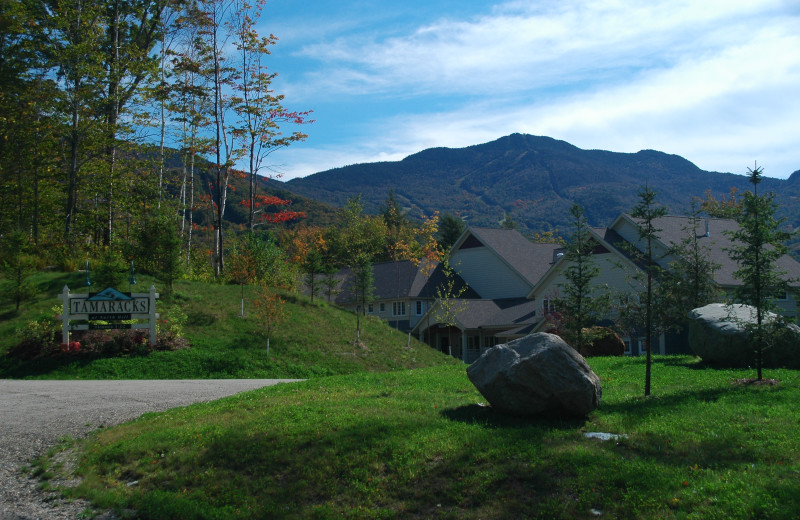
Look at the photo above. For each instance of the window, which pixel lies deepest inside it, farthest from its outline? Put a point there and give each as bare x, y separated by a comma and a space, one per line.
370, 308
419, 308
781, 296
382, 307
633, 346
398, 308
548, 306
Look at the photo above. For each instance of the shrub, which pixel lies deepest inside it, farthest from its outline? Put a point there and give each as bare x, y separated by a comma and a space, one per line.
111, 270
605, 342
38, 337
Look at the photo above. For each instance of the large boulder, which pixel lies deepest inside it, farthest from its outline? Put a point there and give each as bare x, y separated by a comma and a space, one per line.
537, 374
718, 334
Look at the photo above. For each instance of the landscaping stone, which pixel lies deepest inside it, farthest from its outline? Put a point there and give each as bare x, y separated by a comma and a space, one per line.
537, 374
717, 334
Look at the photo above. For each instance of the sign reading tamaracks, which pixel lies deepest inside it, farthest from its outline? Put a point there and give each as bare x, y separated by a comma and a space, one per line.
110, 306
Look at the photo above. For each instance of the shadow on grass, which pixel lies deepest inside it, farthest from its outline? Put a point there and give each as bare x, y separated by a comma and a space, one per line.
488, 417
16, 369
8, 315
74, 281
642, 406
368, 464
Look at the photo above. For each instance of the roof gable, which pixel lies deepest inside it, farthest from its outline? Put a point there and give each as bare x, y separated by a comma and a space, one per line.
530, 260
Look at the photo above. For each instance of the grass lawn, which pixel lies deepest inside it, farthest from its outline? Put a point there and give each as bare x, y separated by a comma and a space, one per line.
419, 444
315, 339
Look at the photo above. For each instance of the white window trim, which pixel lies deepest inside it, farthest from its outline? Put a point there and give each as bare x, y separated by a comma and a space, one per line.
399, 305
419, 308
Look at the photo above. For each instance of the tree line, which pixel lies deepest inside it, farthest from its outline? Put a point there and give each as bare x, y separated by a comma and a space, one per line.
92, 94
669, 293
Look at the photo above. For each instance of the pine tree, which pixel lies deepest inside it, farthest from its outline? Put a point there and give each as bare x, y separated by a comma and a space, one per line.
582, 306
689, 281
646, 212
758, 244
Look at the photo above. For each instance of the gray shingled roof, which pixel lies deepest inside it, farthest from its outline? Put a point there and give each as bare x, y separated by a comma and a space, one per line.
676, 228
401, 279
530, 259
504, 312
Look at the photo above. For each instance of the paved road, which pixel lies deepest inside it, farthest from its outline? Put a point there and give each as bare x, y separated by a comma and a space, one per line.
34, 415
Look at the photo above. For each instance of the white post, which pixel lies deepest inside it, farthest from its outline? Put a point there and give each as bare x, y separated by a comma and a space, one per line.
153, 316
64, 296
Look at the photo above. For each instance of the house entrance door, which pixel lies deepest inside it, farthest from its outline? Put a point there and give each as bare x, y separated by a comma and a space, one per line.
444, 344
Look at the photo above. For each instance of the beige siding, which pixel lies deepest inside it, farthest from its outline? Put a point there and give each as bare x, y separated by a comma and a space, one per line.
487, 275
410, 314
615, 273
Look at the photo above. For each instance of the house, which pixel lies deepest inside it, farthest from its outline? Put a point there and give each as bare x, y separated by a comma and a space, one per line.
403, 291
500, 263
618, 270
502, 267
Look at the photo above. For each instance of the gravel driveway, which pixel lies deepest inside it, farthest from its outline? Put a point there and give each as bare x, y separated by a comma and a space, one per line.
34, 415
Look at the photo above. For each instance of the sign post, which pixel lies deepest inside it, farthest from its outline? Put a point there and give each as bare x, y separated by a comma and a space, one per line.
111, 306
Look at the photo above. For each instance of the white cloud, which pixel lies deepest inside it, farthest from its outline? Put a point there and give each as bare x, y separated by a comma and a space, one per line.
518, 49
713, 81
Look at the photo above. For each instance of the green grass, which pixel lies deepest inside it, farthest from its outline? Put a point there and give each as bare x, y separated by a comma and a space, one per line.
418, 444
316, 339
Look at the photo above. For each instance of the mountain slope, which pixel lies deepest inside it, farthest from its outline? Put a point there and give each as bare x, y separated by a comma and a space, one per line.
533, 179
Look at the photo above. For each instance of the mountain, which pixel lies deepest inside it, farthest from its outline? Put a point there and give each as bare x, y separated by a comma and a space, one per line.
533, 179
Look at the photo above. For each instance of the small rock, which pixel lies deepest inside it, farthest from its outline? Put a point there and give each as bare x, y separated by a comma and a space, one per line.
605, 436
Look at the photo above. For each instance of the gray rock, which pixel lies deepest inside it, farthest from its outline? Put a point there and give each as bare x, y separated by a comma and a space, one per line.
537, 374
718, 335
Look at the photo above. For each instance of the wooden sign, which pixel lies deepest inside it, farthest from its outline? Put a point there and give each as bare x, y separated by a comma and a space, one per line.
110, 306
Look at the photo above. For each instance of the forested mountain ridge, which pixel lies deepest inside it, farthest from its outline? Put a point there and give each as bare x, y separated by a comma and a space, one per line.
534, 180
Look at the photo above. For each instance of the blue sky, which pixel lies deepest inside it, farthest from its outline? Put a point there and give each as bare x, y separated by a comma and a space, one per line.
715, 81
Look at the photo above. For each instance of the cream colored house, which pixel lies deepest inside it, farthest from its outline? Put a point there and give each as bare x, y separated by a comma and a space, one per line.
618, 272
502, 267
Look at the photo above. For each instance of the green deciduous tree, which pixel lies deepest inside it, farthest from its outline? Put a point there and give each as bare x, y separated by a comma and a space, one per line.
448, 302
450, 228
358, 240
159, 251
17, 264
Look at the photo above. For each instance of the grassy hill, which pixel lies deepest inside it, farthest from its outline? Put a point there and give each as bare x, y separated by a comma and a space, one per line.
419, 444
315, 339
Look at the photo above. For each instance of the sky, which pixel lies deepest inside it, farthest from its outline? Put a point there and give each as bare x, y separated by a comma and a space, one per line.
714, 81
